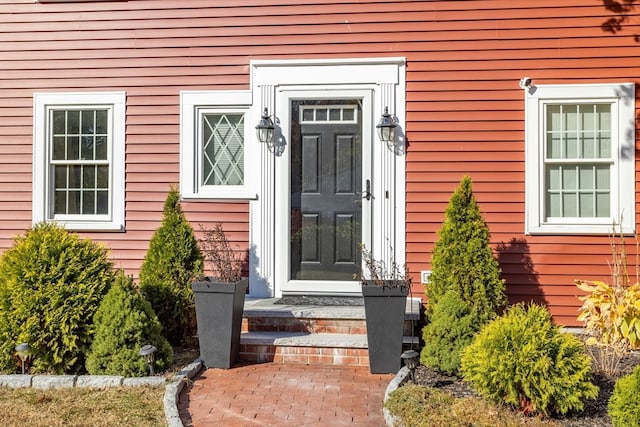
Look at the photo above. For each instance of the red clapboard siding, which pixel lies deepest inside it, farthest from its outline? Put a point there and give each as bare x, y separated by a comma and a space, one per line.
465, 112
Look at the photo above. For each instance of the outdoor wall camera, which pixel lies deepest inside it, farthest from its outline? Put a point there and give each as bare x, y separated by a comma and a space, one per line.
525, 82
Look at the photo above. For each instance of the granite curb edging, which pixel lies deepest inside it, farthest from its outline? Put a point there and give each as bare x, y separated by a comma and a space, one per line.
173, 385
173, 389
402, 375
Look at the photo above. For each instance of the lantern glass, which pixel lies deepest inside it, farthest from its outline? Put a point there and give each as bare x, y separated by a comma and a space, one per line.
265, 128
386, 127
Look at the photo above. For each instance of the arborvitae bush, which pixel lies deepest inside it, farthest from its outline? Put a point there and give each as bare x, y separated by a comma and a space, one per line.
462, 264
524, 360
624, 405
462, 258
51, 284
124, 323
170, 265
451, 329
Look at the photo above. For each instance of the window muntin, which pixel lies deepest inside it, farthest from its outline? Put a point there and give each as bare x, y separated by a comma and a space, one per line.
580, 162
79, 142
79, 161
222, 149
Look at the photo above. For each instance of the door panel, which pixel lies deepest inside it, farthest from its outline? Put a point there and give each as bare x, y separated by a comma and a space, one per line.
326, 177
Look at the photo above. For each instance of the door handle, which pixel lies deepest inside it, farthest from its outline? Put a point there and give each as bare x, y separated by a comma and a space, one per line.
366, 194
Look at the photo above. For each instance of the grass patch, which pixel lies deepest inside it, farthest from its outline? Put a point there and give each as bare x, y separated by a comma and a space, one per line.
419, 406
75, 407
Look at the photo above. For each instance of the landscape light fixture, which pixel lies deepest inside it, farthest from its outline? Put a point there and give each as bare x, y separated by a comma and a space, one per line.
386, 126
23, 350
265, 128
410, 359
146, 352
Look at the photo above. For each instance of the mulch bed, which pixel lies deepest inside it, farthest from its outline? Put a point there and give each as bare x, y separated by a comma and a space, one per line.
593, 415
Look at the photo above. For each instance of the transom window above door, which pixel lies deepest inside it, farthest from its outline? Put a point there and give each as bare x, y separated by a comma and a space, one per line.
328, 114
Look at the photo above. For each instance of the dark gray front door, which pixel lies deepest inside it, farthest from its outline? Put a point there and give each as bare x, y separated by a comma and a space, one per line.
326, 181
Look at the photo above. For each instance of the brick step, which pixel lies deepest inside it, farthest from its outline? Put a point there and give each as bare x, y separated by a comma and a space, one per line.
333, 335
298, 347
262, 315
308, 348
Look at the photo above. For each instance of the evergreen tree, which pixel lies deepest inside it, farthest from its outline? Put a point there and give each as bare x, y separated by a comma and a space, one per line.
51, 284
124, 323
172, 262
462, 264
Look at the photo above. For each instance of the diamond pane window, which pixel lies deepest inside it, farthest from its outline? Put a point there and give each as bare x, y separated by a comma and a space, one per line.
578, 163
222, 149
79, 161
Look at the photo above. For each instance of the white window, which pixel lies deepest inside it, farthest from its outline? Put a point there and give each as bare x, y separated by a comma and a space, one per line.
580, 144
78, 159
214, 131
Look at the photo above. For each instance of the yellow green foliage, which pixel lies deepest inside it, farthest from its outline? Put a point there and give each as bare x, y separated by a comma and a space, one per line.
624, 405
611, 314
524, 360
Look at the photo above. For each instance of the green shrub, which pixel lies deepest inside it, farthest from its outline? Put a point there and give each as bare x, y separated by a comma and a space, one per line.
452, 327
523, 359
462, 264
624, 405
170, 265
51, 284
124, 323
463, 260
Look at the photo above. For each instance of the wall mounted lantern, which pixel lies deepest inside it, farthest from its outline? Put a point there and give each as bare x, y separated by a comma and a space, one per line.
146, 352
386, 126
23, 350
265, 128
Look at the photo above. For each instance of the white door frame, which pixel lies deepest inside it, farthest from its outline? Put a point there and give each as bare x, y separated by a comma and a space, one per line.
380, 82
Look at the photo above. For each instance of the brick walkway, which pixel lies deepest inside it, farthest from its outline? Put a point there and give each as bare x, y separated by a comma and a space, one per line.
272, 394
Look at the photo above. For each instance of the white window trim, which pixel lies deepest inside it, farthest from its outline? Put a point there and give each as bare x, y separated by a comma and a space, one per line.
42, 196
192, 104
622, 98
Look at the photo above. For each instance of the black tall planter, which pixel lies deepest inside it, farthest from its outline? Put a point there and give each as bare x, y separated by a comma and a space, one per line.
219, 307
384, 308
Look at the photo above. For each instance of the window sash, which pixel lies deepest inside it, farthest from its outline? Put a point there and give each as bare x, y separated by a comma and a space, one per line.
578, 161
79, 161
221, 152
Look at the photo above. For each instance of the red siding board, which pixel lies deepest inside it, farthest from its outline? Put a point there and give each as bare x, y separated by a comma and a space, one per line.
465, 112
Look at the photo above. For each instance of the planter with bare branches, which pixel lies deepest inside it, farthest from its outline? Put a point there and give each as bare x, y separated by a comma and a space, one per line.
384, 289
220, 300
